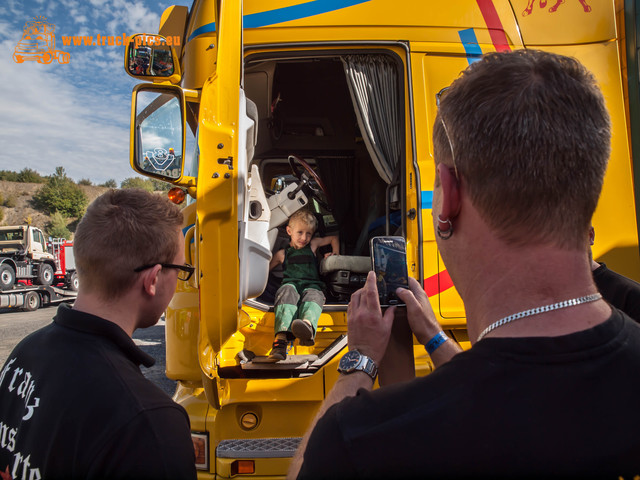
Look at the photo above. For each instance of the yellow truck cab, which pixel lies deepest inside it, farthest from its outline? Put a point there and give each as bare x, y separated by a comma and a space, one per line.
257, 109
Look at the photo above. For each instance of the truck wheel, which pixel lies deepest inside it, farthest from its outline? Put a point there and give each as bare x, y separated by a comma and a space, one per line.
7, 277
46, 58
45, 274
73, 282
31, 302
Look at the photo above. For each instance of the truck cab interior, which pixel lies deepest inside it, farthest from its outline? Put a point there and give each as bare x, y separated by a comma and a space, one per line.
329, 124
330, 138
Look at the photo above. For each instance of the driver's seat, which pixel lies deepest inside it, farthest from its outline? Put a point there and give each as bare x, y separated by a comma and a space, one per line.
344, 274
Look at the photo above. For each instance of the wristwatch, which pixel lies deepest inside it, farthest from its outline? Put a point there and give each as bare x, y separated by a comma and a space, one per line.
354, 361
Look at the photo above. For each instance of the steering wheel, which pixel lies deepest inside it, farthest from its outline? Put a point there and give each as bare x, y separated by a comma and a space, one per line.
304, 175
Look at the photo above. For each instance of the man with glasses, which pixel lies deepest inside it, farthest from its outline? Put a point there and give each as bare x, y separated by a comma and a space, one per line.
549, 387
73, 401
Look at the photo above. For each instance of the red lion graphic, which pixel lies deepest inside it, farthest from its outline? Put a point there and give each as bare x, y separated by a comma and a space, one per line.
543, 4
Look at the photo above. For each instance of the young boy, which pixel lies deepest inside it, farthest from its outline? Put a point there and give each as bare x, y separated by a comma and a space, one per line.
299, 301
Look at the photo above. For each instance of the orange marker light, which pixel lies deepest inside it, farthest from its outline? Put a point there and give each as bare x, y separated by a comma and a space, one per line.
201, 447
177, 195
243, 467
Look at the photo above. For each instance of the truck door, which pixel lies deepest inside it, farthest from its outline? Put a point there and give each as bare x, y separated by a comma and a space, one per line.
38, 246
218, 192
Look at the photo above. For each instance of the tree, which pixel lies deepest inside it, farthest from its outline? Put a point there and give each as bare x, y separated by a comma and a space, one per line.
86, 182
27, 175
137, 182
111, 183
8, 176
160, 186
57, 227
61, 194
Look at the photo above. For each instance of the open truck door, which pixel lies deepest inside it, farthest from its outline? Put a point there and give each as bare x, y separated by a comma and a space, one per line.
232, 215
236, 227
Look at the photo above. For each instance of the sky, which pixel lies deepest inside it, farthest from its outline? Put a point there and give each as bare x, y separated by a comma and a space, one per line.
75, 115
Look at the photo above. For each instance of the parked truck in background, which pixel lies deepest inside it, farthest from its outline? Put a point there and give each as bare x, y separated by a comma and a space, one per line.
330, 105
33, 271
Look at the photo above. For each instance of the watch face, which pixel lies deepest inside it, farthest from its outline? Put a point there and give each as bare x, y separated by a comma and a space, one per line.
350, 360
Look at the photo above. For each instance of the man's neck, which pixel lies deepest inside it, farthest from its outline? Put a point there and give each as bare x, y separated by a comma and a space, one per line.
118, 312
517, 280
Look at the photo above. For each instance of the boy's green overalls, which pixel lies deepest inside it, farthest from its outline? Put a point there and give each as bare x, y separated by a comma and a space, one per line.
300, 295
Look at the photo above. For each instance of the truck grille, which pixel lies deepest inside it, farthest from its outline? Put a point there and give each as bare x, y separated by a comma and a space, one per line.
258, 448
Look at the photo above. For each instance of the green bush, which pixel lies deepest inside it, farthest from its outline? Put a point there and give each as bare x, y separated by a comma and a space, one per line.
27, 175
57, 227
61, 194
85, 181
137, 182
9, 202
8, 176
160, 186
111, 183
1, 215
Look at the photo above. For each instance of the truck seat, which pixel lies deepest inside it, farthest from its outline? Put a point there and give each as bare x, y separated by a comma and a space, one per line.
344, 274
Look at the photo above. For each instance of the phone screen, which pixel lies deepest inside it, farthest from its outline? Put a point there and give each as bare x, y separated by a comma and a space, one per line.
389, 260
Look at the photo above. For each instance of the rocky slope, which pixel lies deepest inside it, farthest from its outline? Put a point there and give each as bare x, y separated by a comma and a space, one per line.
21, 195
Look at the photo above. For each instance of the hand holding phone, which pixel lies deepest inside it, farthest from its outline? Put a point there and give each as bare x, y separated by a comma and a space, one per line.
389, 262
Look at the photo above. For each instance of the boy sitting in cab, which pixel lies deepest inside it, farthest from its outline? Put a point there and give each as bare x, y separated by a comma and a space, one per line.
299, 300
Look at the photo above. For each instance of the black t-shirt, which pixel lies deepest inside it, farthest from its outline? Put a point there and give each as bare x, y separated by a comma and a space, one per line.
533, 407
620, 291
74, 404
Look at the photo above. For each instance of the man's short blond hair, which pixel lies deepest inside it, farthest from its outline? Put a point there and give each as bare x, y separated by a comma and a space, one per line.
304, 216
122, 230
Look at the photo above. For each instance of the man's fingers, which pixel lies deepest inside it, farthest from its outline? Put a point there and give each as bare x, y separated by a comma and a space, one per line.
371, 281
416, 288
408, 298
389, 315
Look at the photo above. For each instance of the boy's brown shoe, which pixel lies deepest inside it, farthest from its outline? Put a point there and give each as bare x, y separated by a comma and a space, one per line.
303, 332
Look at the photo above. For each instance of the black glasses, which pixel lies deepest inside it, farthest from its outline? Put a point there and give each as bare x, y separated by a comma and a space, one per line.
446, 132
184, 271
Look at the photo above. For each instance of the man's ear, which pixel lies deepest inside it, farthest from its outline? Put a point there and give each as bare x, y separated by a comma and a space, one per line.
451, 202
150, 280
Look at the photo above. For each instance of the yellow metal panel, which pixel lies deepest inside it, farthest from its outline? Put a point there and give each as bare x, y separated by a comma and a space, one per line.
566, 22
217, 232
271, 390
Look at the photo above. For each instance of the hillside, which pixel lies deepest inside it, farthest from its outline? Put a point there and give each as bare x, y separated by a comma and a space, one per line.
23, 193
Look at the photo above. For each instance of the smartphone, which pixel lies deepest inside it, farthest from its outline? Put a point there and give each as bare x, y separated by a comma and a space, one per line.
389, 262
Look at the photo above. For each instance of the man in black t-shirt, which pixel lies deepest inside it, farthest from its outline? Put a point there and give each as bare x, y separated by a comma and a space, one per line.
73, 401
549, 387
620, 291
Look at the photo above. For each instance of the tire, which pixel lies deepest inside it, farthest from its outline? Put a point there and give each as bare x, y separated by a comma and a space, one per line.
73, 283
45, 274
31, 302
7, 277
46, 58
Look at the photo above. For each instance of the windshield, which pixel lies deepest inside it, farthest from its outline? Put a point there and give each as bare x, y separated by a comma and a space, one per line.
11, 235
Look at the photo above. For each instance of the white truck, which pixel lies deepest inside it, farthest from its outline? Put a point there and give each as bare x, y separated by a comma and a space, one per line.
29, 270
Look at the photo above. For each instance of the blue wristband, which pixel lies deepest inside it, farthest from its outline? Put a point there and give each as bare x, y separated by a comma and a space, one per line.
433, 344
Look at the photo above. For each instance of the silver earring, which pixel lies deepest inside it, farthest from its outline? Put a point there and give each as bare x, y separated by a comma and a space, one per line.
444, 234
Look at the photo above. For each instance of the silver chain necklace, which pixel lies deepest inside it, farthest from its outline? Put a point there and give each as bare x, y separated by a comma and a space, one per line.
535, 311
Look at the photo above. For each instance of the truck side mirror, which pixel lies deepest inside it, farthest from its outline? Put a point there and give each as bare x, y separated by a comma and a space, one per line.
157, 131
151, 57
